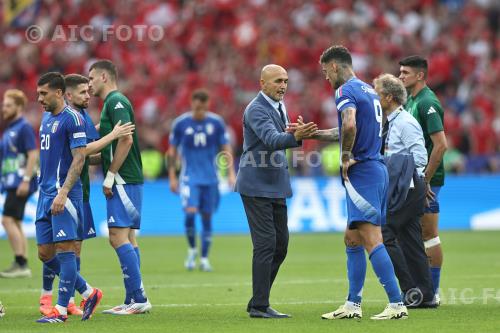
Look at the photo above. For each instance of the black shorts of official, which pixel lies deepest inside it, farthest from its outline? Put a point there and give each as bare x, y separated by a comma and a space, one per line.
14, 205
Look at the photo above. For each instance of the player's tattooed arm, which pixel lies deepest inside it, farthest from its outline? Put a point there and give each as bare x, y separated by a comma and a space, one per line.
75, 169
328, 135
348, 137
348, 129
73, 175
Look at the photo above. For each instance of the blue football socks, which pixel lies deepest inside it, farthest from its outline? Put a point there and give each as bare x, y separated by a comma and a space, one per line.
206, 235
131, 273
382, 265
190, 229
67, 277
356, 272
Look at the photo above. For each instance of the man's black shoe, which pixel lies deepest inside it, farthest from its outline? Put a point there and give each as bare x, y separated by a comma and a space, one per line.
268, 313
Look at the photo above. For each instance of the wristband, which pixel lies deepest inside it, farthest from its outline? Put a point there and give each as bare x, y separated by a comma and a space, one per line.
109, 180
26, 178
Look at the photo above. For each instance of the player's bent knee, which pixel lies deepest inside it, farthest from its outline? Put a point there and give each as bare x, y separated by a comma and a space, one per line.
46, 252
351, 242
118, 236
67, 246
432, 242
7, 221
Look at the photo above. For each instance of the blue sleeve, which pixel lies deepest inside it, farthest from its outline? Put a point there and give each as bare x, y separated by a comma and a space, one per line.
223, 136
75, 131
28, 141
262, 125
175, 136
344, 98
90, 130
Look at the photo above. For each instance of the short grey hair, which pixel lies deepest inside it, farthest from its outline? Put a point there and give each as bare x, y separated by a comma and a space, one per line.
391, 85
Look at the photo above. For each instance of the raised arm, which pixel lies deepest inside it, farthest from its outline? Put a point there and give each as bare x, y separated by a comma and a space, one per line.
262, 124
118, 131
328, 135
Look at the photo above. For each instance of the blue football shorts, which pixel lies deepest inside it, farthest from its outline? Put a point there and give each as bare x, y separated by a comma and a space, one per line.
366, 193
125, 206
57, 228
204, 197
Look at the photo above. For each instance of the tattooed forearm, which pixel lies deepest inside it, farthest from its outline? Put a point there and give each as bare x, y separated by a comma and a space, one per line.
331, 134
348, 131
75, 169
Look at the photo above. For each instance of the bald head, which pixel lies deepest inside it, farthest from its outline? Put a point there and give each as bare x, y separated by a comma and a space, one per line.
274, 81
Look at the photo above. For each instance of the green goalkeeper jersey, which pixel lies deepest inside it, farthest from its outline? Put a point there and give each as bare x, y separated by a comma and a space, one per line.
427, 109
117, 107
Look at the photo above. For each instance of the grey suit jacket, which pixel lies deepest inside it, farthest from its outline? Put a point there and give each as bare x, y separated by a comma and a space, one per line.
263, 168
401, 169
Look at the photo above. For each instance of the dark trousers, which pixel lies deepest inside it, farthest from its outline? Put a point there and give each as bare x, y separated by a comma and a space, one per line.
267, 218
403, 240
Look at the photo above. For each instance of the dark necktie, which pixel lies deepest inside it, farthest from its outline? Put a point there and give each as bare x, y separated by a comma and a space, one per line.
384, 136
282, 114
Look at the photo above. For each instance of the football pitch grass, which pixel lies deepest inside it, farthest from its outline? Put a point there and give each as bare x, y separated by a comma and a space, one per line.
312, 281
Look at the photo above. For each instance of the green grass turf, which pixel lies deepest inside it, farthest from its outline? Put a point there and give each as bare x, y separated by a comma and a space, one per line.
312, 281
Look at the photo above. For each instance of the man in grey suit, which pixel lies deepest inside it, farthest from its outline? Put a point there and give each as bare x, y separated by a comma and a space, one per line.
264, 183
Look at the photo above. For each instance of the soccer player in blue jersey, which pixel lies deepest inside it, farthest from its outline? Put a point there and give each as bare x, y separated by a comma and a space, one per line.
19, 155
60, 206
77, 97
198, 136
365, 179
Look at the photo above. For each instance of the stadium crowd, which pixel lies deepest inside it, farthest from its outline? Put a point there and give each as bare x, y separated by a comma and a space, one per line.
221, 44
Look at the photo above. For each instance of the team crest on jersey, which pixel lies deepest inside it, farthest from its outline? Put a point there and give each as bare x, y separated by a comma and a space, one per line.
54, 126
210, 129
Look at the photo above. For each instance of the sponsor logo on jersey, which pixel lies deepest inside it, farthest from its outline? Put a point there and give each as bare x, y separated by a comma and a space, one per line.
111, 219
79, 135
189, 131
431, 110
119, 105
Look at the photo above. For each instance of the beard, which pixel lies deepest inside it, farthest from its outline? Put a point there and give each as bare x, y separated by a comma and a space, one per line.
81, 106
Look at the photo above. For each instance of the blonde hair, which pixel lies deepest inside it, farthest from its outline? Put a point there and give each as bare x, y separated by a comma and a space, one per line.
18, 96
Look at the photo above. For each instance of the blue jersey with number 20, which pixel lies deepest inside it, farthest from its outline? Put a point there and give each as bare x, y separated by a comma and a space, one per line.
362, 97
60, 134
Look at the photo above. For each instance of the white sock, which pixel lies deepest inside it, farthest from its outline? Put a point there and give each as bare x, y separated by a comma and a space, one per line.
192, 251
72, 300
62, 310
86, 294
46, 292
